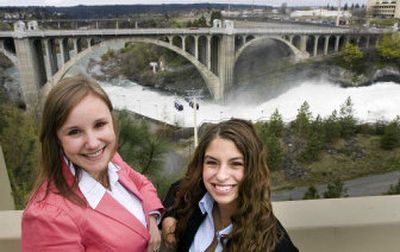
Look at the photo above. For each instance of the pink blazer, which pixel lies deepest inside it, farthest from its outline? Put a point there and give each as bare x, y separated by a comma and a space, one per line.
57, 224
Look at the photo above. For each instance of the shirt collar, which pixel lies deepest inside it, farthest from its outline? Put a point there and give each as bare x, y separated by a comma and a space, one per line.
91, 189
206, 206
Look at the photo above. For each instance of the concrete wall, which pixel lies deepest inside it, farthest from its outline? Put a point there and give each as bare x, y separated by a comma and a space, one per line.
347, 225
6, 197
366, 224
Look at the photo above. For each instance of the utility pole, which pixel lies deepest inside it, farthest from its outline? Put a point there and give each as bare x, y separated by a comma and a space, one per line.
338, 14
195, 122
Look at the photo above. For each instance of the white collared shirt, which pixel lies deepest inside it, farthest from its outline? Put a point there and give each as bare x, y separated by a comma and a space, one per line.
94, 191
205, 234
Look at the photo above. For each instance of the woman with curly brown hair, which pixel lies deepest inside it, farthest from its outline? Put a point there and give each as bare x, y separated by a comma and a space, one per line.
224, 201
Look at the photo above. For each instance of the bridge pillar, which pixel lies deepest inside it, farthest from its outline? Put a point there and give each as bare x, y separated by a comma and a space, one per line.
226, 63
89, 43
75, 43
291, 39
337, 39
326, 44
62, 53
315, 51
49, 59
208, 52
303, 43
183, 38
29, 67
196, 47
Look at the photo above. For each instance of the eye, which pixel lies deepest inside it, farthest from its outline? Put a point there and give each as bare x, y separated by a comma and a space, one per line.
73, 132
100, 124
237, 164
210, 162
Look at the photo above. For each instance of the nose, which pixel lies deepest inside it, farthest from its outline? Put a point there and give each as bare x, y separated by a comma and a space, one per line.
222, 172
91, 141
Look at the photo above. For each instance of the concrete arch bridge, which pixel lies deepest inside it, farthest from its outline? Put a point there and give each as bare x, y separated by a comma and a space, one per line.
44, 56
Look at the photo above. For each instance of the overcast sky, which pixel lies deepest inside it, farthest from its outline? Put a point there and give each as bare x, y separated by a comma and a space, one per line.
108, 2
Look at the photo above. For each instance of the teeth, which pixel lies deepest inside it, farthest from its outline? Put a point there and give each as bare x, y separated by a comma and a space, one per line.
94, 154
223, 188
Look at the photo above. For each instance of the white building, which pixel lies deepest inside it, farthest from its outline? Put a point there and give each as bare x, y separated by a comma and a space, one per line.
319, 13
384, 8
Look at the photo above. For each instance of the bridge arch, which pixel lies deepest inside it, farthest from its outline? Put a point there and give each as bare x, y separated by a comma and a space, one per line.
297, 54
7, 47
212, 81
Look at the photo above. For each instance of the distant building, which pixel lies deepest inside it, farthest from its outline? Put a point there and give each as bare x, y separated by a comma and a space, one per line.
319, 13
384, 8
322, 16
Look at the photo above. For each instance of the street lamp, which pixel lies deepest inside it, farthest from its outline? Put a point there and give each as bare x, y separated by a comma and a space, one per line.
195, 122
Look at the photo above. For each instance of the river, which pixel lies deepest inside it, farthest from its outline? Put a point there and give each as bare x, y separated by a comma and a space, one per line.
380, 101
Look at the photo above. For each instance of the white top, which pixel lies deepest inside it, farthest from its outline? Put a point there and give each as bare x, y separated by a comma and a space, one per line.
94, 191
205, 234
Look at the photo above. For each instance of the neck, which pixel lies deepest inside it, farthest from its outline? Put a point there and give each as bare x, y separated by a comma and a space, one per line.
103, 179
222, 215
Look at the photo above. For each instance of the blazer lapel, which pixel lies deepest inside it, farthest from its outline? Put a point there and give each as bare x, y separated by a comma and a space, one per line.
111, 208
129, 184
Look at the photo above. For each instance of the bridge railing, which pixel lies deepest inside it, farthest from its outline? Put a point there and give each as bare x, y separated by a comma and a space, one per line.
366, 224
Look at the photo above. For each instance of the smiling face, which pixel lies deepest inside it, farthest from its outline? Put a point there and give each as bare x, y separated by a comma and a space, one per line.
223, 171
87, 137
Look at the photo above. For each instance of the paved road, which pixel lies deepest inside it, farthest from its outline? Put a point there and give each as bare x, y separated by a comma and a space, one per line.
365, 186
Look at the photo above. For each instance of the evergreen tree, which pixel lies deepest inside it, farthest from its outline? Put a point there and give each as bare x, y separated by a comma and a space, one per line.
276, 125
20, 143
351, 57
311, 193
389, 46
332, 128
215, 15
140, 148
394, 189
346, 119
303, 118
313, 148
391, 135
274, 153
335, 189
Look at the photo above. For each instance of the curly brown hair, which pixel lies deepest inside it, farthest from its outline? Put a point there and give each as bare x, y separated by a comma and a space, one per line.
255, 227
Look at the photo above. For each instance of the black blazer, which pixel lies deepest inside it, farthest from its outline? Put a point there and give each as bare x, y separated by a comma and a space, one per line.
195, 220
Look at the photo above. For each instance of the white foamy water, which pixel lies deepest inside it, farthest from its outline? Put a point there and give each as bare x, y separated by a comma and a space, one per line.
380, 101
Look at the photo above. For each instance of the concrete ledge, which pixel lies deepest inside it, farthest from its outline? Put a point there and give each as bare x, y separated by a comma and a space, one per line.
10, 230
365, 224
347, 224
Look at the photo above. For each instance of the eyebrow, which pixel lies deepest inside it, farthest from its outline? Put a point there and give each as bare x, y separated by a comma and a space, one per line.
231, 159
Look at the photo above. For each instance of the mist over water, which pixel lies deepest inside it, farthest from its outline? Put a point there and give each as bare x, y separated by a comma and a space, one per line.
380, 101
